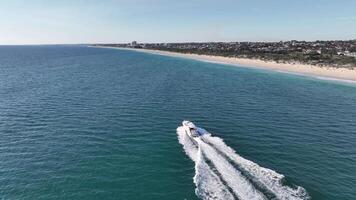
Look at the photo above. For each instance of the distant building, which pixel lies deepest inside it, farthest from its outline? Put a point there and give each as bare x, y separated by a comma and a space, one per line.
133, 43
350, 54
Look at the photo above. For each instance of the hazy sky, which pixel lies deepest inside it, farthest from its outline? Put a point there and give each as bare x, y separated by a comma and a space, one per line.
96, 21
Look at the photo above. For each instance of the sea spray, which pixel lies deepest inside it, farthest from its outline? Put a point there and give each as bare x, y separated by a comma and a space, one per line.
234, 179
266, 177
216, 178
208, 184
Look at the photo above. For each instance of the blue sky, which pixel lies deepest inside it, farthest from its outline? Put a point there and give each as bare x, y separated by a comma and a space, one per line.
97, 21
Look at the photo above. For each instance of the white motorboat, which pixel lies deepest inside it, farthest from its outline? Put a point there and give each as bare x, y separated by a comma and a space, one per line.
192, 130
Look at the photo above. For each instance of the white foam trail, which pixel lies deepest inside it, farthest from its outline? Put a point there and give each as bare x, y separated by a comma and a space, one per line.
190, 149
209, 185
234, 179
266, 177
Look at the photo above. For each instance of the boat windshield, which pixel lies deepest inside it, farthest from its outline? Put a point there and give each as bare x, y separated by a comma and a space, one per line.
201, 131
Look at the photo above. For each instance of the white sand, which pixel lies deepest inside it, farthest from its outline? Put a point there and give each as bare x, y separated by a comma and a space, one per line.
296, 68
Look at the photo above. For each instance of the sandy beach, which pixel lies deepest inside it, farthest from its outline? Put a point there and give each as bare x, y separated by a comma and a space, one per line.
341, 74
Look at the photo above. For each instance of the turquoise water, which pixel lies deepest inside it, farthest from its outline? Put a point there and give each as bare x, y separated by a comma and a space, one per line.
92, 123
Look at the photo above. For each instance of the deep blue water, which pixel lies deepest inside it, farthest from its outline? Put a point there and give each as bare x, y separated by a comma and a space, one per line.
91, 123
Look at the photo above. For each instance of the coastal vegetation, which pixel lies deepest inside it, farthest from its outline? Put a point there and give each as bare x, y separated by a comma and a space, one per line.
339, 54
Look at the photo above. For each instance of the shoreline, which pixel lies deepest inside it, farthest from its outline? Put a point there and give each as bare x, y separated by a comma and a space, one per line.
325, 73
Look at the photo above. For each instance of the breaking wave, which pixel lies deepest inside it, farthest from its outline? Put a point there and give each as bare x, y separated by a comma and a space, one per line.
220, 173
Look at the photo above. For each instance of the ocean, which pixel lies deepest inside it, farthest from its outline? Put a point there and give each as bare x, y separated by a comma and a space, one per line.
78, 122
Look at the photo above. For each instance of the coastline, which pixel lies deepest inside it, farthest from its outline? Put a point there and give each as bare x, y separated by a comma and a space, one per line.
328, 73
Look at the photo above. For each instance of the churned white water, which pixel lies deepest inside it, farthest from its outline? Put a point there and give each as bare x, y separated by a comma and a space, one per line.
218, 175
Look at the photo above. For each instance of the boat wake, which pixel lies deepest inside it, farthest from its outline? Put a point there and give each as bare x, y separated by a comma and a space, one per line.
220, 173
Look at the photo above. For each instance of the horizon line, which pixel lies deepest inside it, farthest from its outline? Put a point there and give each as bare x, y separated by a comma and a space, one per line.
242, 41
